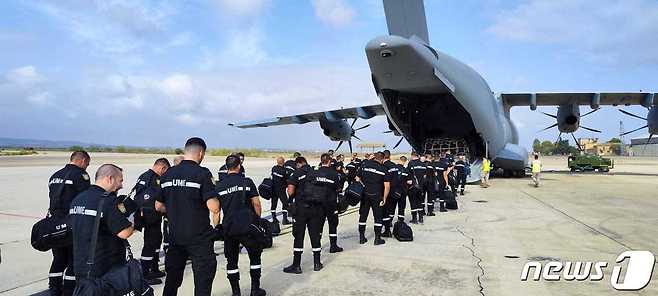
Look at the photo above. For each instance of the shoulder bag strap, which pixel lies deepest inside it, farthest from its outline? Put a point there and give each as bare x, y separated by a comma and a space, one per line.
94, 236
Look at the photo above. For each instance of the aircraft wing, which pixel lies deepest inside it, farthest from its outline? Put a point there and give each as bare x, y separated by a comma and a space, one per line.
594, 99
364, 112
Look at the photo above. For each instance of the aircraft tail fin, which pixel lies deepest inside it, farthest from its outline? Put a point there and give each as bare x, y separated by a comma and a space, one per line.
406, 18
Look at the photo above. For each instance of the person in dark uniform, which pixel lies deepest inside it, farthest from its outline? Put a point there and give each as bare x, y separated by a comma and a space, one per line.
63, 186
307, 215
188, 198
114, 227
279, 186
290, 164
443, 183
240, 203
377, 184
165, 222
460, 167
352, 167
430, 186
146, 191
331, 204
394, 197
417, 169
223, 171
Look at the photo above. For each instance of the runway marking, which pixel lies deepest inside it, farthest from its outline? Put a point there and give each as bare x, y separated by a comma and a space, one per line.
20, 216
576, 220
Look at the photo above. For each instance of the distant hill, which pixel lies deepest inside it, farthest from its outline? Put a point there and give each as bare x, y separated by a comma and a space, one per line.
34, 143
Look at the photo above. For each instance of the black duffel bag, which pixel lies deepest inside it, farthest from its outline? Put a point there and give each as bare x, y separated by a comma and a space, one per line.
266, 189
354, 193
51, 232
451, 201
343, 203
126, 279
402, 232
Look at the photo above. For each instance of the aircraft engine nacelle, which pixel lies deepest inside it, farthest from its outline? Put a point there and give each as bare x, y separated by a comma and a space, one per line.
338, 130
568, 118
652, 120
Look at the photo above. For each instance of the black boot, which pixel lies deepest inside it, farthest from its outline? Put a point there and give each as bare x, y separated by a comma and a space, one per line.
362, 238
285, 220
255, 283
462, 192
235, 284
333, 240
430, 210
274, 218
317, 265
295, 267
149, 277
155, 267
442, 207
414, 218
387, 231
420, 219
379, 240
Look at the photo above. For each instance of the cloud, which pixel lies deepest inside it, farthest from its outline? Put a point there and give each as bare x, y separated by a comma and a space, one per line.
112, 28
242, 8
26, 75
336, 13
608, 31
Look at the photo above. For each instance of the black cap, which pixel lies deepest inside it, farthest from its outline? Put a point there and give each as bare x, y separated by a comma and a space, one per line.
196, 141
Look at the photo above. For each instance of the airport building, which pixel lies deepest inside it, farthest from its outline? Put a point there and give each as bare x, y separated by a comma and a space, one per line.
592, 146
644, 147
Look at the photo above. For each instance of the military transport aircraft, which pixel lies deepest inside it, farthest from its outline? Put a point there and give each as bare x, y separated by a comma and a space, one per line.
437, 102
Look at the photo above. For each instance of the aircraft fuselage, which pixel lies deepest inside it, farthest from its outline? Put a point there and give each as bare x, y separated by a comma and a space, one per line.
433, 99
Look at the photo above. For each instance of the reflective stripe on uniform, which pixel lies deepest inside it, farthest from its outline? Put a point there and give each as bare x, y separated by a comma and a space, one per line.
298, 249
82, 211
317, 249
146, 258
377, 224
277, 174
333, 235
69, 278
142, 182
234, 189
232, 271
56, 274
374, 171
181, 184
254, 267
362, 223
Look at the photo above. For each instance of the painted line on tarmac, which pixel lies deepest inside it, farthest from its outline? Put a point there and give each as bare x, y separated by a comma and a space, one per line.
20, 216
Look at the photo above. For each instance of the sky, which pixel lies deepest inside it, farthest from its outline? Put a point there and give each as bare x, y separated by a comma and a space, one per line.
153, 73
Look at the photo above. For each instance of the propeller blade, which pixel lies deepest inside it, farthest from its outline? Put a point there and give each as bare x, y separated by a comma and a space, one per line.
631, 114
635, 130
339, 143
365, 126
388, 132
353, 122
645, 145
590, 129
549, 115
398, 143
590, 112
550, 127
354, 136
559, 138
350, 143
580, 148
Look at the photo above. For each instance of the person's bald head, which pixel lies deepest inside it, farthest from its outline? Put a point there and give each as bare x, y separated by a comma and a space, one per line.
80, 158
280, 161
109, 177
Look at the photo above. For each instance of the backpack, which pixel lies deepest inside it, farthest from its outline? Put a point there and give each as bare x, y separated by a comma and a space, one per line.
53, 231
451, 201
314, 191
354, 193
403, 232
343, 203
265, 189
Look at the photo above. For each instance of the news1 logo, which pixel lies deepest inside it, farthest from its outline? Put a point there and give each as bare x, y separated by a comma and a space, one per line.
636, 276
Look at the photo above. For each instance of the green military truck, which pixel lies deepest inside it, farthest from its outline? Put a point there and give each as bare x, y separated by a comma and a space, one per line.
590, 162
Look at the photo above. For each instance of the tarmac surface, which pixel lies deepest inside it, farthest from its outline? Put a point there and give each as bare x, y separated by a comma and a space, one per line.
479, 249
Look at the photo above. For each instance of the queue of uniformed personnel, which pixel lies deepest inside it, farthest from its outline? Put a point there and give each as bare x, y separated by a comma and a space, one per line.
186, 207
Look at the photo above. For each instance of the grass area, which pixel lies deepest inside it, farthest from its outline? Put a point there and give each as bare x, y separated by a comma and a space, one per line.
16, 152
